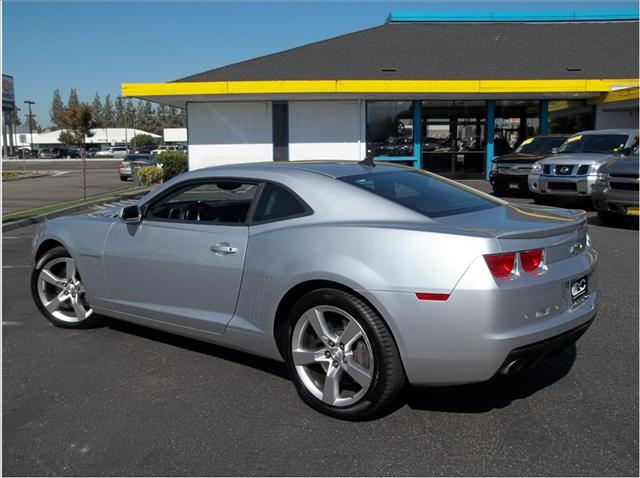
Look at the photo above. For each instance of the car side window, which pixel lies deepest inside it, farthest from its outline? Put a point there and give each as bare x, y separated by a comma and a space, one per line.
276, 203
226, 202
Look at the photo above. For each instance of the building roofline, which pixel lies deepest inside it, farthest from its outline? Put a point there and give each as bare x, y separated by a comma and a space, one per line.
514, 16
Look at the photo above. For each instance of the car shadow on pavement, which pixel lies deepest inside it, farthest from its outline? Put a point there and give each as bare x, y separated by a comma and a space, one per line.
629, 223
499, 392
259, 363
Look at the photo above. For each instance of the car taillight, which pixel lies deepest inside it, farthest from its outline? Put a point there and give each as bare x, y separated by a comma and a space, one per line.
531, 260
121, 164
501, 265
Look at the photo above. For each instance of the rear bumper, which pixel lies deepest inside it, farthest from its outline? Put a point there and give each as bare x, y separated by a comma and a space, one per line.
528, 356
567, 186
469, 337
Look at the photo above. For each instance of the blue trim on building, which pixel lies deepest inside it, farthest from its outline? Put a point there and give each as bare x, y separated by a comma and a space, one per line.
515, 16
417, 133
544, 117
491, 121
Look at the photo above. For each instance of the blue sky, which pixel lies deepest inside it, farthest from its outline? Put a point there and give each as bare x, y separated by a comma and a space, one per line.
95, 46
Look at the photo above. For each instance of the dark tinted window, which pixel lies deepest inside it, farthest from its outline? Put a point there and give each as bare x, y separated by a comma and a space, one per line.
216, 202
422, 192
594, 143
277, 203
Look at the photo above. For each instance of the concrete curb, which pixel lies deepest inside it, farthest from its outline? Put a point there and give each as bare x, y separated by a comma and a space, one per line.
12, 226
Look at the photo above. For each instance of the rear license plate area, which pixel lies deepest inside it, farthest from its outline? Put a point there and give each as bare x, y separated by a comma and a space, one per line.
579, 290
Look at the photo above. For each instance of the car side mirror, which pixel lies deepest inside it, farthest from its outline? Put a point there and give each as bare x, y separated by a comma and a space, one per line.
554, 150
131, 214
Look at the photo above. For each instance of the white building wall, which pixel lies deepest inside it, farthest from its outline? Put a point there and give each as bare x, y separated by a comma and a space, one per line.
623, 114
227, 133
326, 130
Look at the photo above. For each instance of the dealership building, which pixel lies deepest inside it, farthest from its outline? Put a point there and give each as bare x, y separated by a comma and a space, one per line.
441, 91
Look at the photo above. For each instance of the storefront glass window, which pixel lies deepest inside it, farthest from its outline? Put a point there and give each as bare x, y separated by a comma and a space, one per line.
515, 122
390, 128
570, 116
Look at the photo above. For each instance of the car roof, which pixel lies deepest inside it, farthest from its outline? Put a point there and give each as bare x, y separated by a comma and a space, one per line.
627, 131
330, 168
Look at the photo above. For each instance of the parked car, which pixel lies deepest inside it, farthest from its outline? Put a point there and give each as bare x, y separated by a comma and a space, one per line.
91, 152
163, 148
124, 166
572, 171
402, 276
143, 150
48, 153
114, 152
615, 192
509, 172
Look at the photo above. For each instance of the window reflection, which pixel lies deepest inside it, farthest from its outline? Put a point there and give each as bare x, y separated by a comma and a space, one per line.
390, 128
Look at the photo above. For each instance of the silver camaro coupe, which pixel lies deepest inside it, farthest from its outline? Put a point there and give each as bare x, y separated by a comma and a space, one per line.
360, 277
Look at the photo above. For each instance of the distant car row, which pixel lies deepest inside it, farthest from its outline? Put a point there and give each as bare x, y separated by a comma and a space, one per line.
602, 165
112, 152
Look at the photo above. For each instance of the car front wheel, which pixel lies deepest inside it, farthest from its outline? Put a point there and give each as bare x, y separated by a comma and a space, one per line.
59, 293
341, 356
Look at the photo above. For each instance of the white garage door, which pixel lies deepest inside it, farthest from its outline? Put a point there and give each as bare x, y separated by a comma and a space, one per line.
227, 133
326, 130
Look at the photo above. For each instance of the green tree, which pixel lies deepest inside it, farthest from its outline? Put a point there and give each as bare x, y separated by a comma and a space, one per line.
73, 101
146, 118
15, 119
34, 123
177, 118
56, 113
81, 121
143, 140
119, 112
130, 114
108, 115
162, 116
97, 109
67, 138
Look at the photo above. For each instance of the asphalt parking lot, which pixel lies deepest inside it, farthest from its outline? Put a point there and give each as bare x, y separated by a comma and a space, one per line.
123, 400
63, 184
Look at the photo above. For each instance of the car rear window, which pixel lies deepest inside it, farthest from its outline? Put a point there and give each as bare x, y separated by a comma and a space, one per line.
423, 192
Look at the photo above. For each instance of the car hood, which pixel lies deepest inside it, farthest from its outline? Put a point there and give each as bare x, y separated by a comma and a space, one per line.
622, 166
519, 157
579, 158
518, 221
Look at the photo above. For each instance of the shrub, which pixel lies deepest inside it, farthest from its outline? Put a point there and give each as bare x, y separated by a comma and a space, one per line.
150, 175
173, 163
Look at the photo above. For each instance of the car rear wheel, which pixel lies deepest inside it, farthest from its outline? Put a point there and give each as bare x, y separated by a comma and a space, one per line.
341, 356
123, 178
59, 293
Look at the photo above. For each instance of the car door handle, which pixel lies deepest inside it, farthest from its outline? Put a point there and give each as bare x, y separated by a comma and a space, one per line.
224, 248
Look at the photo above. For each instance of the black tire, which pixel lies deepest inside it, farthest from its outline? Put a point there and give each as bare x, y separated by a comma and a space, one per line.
123, 178
57, 253
388, 377
610, 219
543, 200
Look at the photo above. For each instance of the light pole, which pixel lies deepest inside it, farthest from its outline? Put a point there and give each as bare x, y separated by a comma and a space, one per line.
30, 116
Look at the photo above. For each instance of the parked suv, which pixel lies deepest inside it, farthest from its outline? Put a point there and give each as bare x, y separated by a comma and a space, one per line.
115, 152
509, 172
572, 171
615, 192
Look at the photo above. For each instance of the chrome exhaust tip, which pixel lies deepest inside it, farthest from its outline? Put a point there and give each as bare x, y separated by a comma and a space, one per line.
512, 367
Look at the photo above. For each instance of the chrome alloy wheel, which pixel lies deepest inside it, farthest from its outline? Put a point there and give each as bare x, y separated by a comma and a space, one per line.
332, 355
61, 291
